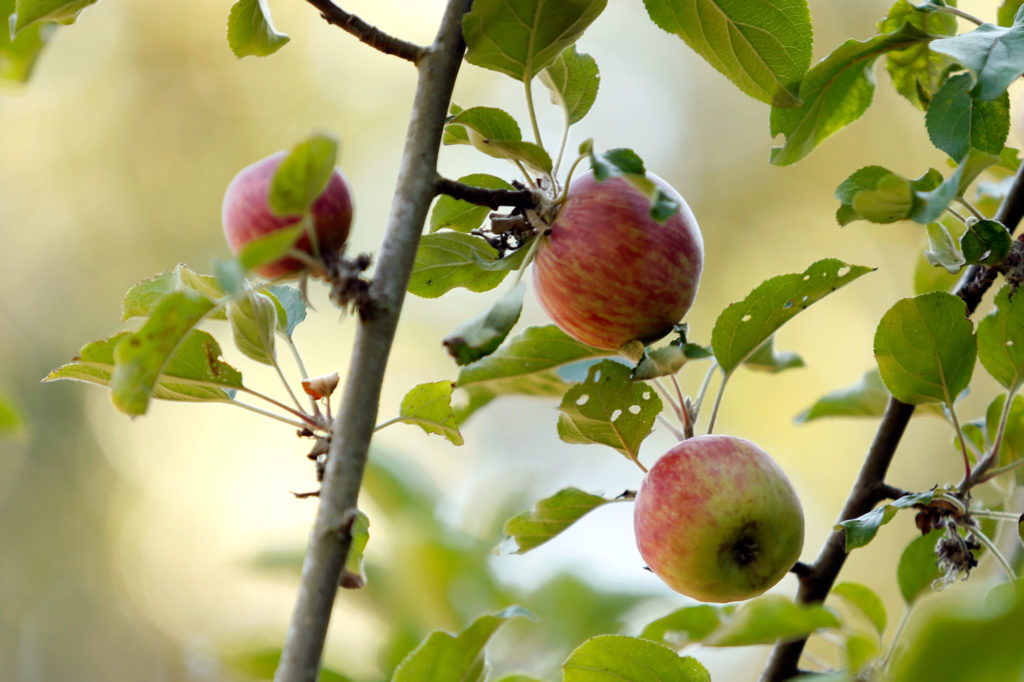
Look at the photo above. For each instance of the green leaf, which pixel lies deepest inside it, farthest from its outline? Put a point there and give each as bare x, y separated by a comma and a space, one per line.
524, 365
446, 260
462, 216
353, 576
865, 398
250, 31
767, 359
994, 54
769, 618
1007, 10
865, 600
917, 73
628, 165
28, 12
521, 37
927, 277
942, 251
443, 657
19, 54
863, 179
269, 247
253, 321
925, 348
140, 358
573, 80
890, 200
1011, 448
617, 658
762, 46
862, 530
194, 373
693, 622
986, 242
12, 421
668, 360
429, 406
495, 133
835, 92
303, 175
1001, 340
609, 408
743, 326
929, 205
550, 516
957, 122
861, 649
482, 335
918, 567
142, 299
291, 307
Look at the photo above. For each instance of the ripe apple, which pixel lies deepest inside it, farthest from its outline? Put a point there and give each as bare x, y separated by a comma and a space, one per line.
246, 215
717, 520
607, 273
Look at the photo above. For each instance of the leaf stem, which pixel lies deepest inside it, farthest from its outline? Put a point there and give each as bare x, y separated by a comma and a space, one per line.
985, 540
277, 403
685, 410
393, 420
959, 13
671, 427
561, 148
527, 85
703, 389
718, 403
970, 207
268, 413
991, 514
999, 471
963, 442
527, 259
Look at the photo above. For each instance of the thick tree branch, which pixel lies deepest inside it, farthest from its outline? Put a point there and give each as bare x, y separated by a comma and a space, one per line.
330, 538
870, 487
491, 198
371, 35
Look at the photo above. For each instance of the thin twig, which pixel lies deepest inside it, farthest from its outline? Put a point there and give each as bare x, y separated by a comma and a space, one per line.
371, 35
491, 198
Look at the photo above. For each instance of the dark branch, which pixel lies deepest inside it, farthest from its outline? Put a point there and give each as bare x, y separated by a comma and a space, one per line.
492, 198
870, 487
371, 35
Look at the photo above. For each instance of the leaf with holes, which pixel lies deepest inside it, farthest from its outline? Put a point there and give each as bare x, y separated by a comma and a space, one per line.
862, 530
429, 406
743, 326
925, 348
521, 37
617, 657
609, 408
762, 46
551, 516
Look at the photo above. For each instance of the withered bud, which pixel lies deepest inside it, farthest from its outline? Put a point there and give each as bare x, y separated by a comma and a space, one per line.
321, 387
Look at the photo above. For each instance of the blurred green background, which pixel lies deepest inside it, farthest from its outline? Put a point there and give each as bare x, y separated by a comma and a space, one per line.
163, 548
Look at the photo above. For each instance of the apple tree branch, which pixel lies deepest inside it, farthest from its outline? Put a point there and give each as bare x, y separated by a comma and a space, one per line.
330, 539
371, 35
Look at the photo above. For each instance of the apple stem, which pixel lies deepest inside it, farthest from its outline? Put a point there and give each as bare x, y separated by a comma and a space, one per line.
527, 259
277, 403
695, 410
671, 427
684, 409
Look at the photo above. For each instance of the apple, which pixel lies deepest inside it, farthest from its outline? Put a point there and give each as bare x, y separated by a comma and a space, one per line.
717, 520
245, 214
607, 273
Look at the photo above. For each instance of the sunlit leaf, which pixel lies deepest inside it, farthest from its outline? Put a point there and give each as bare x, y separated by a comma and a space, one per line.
291, 308
429, 406
769, 618
573, 80
743, 326
1011, 448
253, 321
1007, 10
762, 46
269, 247
609, 408
303, 174
766, 359
443, 657
28, 12
862, 530
482, 335
629, 659
835, 92
917, 73
142, 298
551, 516
496, 133
668, 360
865, 398
1001, 340
628, 165
353, 576
692, 622
18, 54
462, 216
925, 348
446, 260
865, 600
250, 31
521, 37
